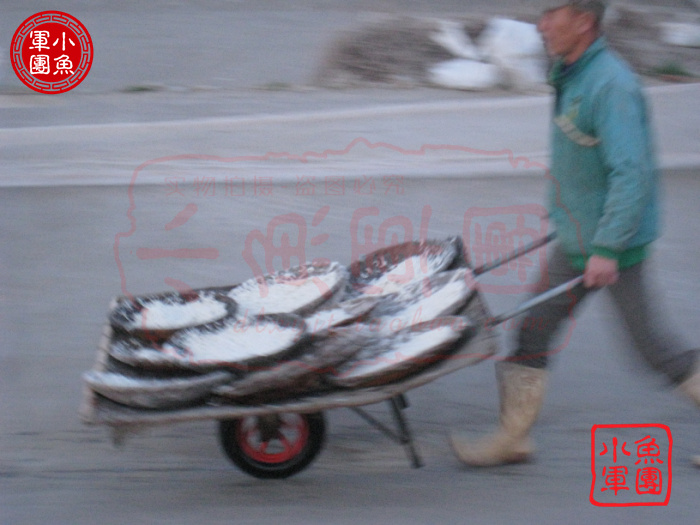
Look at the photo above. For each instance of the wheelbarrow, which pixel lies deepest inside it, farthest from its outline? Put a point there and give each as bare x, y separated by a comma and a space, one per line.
280, 439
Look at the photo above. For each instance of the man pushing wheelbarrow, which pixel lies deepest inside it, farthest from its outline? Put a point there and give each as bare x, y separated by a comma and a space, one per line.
603, 201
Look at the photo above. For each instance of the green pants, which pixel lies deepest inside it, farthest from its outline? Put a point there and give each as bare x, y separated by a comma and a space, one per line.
636, 305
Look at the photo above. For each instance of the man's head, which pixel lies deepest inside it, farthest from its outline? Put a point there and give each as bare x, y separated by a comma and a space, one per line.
595, 7
568, 27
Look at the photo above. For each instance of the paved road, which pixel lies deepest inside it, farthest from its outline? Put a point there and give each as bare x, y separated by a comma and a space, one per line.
291, 135
60, 268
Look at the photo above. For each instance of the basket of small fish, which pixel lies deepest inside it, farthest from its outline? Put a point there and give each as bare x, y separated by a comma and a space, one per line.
268, 356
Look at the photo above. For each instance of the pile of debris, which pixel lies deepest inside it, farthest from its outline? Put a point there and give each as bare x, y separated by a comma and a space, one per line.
657, 42
470, 54
480, 53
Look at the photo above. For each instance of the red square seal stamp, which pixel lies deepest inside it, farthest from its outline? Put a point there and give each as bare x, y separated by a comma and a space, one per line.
631, 465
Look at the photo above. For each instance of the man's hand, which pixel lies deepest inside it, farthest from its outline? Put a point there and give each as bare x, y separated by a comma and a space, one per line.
600, 272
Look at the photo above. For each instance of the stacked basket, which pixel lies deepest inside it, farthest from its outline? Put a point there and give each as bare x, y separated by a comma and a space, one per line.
300, 332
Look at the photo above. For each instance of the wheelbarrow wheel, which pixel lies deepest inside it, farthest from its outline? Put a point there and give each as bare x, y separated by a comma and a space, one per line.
273, 446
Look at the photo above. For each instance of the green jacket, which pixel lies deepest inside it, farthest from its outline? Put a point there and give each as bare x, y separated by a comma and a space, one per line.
603, 192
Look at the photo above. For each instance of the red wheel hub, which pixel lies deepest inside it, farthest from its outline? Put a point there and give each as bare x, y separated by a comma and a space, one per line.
290, 438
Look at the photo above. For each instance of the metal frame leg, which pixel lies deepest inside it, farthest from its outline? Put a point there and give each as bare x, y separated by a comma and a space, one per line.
398, 404
402, 434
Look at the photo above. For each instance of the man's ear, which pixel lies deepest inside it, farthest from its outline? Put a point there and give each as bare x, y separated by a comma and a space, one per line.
586, 22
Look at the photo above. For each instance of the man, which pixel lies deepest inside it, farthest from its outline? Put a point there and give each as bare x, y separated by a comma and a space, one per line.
603, 202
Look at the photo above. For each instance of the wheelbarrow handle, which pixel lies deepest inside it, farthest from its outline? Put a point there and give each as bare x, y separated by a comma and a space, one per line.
537, 243
535, 301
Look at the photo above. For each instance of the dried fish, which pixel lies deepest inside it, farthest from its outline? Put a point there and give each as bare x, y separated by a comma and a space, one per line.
389, 359
389, 269
302, 375
298, 290
235, 343
143, 392
341, 314
443, 294
167, 312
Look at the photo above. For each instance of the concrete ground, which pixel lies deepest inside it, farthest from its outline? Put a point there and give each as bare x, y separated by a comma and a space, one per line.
60, 270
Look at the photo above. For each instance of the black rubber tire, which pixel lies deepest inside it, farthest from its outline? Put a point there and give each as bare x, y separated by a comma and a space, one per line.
240, 437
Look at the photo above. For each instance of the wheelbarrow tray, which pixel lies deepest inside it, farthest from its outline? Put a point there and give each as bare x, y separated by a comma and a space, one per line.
98, 410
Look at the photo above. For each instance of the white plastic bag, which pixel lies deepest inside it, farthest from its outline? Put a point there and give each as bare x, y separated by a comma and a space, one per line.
681, 34
517, 48
465, 74
451, 36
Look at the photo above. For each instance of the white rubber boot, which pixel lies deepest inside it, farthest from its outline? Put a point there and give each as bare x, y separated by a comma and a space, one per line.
521, 389
691, 388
